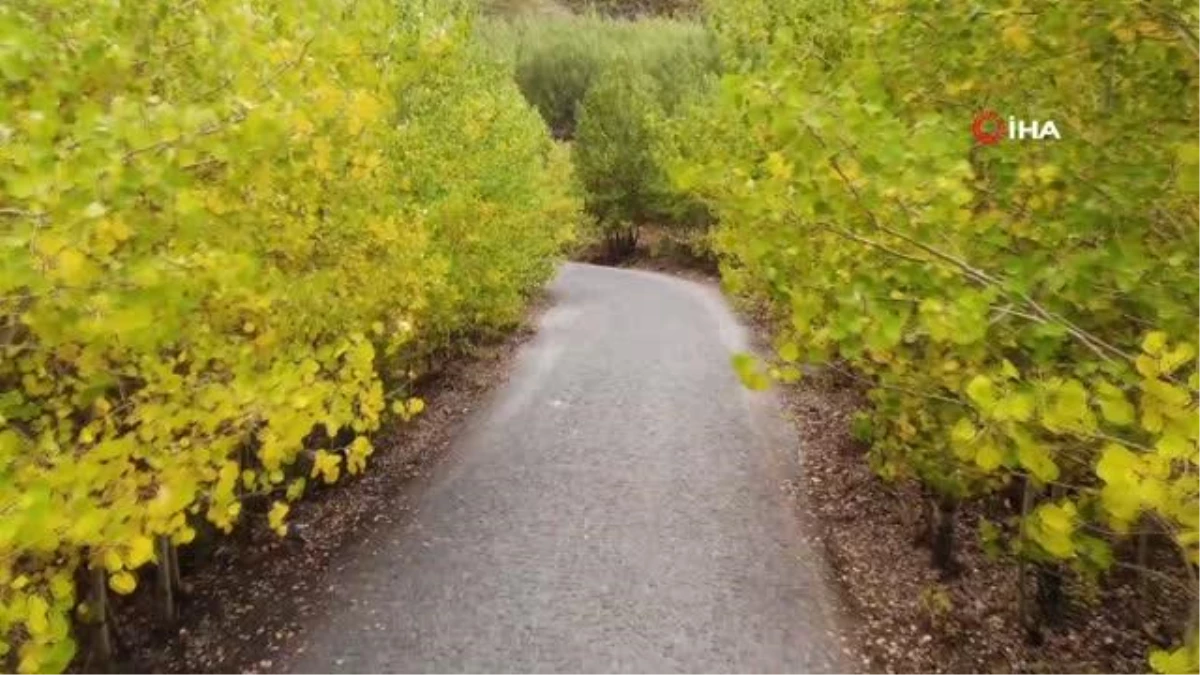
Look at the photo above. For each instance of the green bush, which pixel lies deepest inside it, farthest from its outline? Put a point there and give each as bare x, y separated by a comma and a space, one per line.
556, 59
624, 185
615, 87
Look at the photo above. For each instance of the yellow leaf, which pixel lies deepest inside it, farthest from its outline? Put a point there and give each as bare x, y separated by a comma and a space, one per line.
415, 406
989, 456
62, 586
779, 167
184, 536
1034, 457
1113, 405
327, 465
1174, 446
1154, 342
72, 266
1174, 358
35, 615
1015, 36
963, 431
1053, 526
1017, 406
981, 391
1117, 465
295, 489
141, 551
122, 582
1009, 370
275, 518
31, 658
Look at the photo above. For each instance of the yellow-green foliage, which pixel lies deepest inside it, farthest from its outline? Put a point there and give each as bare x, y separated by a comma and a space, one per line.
556, 59
219, 223
1027, 309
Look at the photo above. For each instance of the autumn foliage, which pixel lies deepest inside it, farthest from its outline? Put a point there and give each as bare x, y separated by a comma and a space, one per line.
1025, 313
223, 227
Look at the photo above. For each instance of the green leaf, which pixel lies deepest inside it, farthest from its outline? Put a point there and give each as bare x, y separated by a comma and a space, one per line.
1095, 551
982, 392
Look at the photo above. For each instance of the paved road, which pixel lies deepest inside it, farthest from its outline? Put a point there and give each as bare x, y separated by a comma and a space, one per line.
618, 506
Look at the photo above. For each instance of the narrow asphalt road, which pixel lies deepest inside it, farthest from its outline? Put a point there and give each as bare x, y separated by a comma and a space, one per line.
618, 505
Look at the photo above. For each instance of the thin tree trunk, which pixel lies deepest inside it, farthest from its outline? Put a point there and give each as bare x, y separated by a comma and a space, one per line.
1050, 583
176, 577
166, 582
1023, 614
1143, 554
103, 641
943, 541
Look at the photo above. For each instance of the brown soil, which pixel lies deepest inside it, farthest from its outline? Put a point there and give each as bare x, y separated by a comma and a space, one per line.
250, 593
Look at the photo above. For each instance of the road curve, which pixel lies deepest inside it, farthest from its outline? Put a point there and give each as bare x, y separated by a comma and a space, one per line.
618, 505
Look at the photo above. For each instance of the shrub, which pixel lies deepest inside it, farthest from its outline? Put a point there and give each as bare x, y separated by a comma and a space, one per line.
1026, 312
223, 224
556, 59
614, 87
624, 186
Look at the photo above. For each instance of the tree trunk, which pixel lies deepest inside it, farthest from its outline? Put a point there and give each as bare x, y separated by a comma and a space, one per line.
1030, 627
102, 641
1143, 556
166, 581
1050, 593
176, 577
943, 537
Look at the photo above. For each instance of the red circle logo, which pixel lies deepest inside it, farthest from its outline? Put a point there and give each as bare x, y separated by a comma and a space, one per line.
988, 127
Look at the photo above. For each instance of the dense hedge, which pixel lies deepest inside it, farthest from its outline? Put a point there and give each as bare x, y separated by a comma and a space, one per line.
556, 59
614, 88
221, 225
1025, 312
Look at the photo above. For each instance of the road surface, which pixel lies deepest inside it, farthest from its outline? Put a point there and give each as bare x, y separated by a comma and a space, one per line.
618, 505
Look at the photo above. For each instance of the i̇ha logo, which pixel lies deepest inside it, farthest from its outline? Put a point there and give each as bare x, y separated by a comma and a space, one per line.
990, 128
